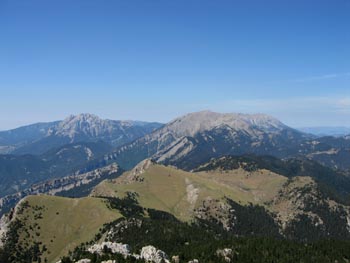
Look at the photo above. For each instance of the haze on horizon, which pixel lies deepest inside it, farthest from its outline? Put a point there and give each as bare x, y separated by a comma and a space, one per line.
156, 60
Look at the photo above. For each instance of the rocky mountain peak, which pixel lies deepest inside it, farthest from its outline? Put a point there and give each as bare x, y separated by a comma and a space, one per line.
84, 124
197, 122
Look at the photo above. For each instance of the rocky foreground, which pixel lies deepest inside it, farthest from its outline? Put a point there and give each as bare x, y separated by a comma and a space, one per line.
147, 254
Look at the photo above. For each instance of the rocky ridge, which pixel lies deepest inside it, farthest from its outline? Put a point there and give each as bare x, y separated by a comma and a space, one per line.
59, 185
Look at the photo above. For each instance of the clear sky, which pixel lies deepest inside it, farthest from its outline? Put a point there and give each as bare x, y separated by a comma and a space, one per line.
154, 60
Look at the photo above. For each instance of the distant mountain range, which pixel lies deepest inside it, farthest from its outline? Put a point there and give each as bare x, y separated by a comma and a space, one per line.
18, 172
326, 131
45, 151
41, 137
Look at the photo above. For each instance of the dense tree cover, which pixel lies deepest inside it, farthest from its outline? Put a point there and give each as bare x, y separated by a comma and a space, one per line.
253, 220
331, 222
192, 241
14, 252
201, 239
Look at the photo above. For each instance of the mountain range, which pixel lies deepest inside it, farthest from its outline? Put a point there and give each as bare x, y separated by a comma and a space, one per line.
41, 137
80, 143
227, 175
197, 137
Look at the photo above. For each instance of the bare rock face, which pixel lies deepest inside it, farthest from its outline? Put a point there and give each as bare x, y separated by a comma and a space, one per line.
119, 248
142, 167
151, 254
4, 222
197, 122
88, 125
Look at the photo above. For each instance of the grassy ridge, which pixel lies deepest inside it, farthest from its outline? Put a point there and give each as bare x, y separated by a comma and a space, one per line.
179, 192
61, 224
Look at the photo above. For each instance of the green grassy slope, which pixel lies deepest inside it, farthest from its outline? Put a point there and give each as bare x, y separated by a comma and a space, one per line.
61, 224
179, 192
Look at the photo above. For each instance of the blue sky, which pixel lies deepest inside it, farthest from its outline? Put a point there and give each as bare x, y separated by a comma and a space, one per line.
154, 60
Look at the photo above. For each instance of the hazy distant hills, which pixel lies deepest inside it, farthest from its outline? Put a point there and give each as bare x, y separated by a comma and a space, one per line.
41, 137
16, 138
18, 172
326, 131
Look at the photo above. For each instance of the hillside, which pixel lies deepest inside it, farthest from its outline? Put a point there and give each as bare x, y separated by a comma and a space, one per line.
228, 198
45, 227
59, 224
211, 195
328, 178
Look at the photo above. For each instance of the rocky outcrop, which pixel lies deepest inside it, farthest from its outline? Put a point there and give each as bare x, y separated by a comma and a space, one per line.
226, 253
85, 260
4, 222
151, 254
135, 174
115, 248
148, 253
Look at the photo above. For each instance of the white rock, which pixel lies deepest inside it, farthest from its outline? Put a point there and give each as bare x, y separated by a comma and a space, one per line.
175, 259
226, 253
151, 254
114, 247
85, 260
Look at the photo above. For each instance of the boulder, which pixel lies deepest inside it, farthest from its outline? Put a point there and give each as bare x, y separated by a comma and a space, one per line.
151, 254
226, 253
